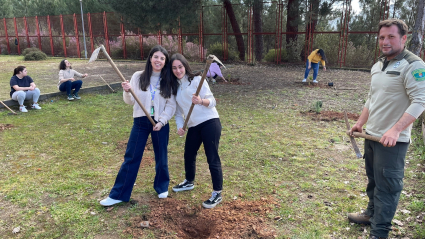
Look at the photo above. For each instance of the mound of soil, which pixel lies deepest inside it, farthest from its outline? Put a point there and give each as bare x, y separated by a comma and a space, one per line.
329, 115
233, 219
5, 126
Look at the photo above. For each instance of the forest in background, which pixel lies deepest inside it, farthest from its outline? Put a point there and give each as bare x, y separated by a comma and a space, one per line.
164, 16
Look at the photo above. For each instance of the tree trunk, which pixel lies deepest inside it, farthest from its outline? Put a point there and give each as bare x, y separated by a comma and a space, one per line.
415, 45
292, 21
312, 17
236, 29
258, 28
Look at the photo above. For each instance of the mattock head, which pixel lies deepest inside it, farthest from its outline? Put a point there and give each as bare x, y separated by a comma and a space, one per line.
95, 54
214, 58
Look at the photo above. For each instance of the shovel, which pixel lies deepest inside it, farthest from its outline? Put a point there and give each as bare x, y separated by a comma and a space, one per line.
94, 57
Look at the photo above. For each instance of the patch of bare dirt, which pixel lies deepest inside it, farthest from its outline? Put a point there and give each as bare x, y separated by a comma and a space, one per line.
329, 115
5, 126
232, 81
233, 219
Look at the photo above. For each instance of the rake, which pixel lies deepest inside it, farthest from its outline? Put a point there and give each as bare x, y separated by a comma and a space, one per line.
94, 57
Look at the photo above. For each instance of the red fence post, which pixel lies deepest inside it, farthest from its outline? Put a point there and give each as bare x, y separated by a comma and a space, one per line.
76, 36
26, 32
63, 36
17, 35
50, 35
7, 36
38, 33
159, 36
90, 33
123, 38
105, 28
140, 42
201, 35
250, 35
179, 38
224, 32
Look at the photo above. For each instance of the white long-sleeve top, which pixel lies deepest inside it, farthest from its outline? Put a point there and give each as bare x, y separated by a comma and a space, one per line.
66, 74
200, 113
164, 108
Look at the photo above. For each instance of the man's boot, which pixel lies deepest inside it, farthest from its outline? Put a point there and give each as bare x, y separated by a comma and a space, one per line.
359, 218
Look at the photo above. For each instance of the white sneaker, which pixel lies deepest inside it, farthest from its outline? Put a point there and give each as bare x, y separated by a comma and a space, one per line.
315, 81
163, 195
109, 202
305, 80
23, 109
36, 106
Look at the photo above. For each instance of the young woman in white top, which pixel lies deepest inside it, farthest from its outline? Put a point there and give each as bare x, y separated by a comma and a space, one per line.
67, 82
156, 91
203, 127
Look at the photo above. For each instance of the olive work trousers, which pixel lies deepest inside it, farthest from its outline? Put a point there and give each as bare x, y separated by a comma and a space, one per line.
385, 172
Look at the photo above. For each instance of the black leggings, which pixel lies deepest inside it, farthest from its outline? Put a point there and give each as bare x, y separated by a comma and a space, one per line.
208, 133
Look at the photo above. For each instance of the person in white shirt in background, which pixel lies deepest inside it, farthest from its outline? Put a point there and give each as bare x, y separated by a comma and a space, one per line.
67, 82
203, 127
156, 90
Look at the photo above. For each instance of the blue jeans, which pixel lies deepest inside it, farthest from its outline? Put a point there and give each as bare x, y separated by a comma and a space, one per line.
70, 85
127, 175
21, 95
315, 67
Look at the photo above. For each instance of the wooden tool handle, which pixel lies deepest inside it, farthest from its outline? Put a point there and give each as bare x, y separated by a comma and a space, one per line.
365, 136
204, 75
7, 107
123, 80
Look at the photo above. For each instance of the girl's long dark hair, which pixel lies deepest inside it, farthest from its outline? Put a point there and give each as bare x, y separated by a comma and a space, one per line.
62, 65
18, 69
167, 85
185, 63
322, 54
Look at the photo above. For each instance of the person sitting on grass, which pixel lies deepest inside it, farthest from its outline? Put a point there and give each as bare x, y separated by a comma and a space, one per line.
22, 87
67, 82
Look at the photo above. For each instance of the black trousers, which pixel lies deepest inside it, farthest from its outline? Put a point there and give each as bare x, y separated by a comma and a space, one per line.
385, 172
208, 133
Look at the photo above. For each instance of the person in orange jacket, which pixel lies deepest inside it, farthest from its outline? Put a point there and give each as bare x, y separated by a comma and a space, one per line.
313, 62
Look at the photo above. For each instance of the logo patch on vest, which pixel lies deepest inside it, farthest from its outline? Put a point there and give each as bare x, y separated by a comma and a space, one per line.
396, 64
419, 74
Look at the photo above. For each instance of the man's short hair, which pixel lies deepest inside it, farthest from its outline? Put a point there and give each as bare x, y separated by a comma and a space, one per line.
402, 27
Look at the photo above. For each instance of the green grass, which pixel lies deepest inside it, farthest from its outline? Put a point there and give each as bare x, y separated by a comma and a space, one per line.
57, 162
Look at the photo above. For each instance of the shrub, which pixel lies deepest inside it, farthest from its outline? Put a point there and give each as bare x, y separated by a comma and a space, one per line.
35, 56
217, 50
271, 55
28, 50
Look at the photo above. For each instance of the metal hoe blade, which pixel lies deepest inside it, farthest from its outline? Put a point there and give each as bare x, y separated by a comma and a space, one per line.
94, 54
216, 59
353, 141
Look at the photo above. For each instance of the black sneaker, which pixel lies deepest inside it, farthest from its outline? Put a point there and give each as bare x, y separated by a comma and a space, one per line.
76, 96
213, 201
184, 186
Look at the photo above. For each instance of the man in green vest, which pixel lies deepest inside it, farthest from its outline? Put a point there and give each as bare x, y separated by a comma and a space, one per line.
396, 99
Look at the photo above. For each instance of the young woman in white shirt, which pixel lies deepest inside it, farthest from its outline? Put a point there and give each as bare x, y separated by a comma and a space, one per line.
203, 127
156, 90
